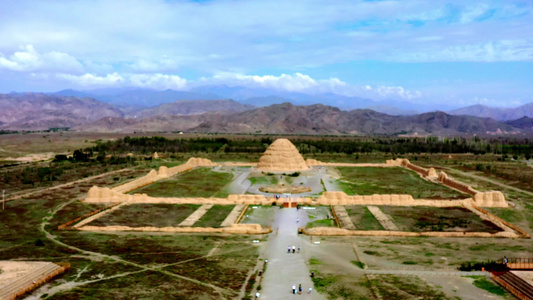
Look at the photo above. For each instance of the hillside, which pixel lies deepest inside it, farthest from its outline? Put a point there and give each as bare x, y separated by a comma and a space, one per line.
497, 113
34, 111
321, 119
191, 107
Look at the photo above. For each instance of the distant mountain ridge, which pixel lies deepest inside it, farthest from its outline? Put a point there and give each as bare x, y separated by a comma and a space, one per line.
287, 118
191, 107
497, 113
35, 111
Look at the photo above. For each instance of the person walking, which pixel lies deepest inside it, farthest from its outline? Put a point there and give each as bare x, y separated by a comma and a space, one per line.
289, 249
297, 220
310, 290
300, 289
294, 289
293, 249
298, 248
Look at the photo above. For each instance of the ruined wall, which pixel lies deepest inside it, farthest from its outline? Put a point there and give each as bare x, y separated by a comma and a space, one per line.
149, 178
340, 198
201, 162
443, 178
330, 231
490, 199
234, 228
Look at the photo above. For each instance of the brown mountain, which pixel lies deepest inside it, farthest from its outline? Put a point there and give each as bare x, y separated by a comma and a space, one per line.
312, 119
192, 107
34, 111
321, 119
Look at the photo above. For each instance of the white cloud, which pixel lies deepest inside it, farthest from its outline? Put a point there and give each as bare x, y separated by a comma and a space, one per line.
93, 81
158, 81
30, 60
296, 82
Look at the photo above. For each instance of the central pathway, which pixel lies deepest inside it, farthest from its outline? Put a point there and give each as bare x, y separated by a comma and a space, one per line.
283, 269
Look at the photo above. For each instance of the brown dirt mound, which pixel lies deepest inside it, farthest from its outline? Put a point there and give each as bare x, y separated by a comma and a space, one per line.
282, 156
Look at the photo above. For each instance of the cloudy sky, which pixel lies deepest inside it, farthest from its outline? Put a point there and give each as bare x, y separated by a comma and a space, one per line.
465, 52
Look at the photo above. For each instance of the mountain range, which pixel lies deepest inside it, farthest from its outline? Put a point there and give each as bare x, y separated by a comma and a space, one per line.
81, 111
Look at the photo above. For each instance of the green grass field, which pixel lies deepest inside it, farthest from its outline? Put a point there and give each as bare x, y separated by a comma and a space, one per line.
362, 218
214, 216
424, 218
369, 181
199, 182
138, 215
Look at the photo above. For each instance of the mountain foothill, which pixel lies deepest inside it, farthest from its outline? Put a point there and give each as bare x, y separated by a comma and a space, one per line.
129, 111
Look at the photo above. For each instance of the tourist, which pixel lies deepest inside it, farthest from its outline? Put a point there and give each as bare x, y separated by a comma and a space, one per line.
300, 289
297, 220
298, 248
289, 249
257, 295
505, 260
294, 289
293, 249
310, 290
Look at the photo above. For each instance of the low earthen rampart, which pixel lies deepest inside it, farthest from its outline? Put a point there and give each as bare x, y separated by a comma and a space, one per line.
333, 231
234, 229
444, 179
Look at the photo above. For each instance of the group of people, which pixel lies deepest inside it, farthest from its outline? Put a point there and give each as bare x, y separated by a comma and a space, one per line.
299, 290
293, 248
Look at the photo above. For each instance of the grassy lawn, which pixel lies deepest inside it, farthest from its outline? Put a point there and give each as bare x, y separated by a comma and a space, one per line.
405, 287
263, 215
425, 218
369, 181
138, 215
215, 216
362, 218
199, 182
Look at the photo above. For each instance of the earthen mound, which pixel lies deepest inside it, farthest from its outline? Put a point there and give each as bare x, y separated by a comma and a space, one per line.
282, 156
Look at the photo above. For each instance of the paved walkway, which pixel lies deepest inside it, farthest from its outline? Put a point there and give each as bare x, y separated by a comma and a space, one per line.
284, 269
383, 219
195, 216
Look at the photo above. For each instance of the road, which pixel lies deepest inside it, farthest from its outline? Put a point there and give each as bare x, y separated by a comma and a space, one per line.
287, 269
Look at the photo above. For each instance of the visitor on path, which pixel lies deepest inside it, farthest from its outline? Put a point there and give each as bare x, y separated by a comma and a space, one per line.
294, 289
300, 289
293, 249
298, 248
297, 220
505, 260
289, 249
257, 295
310, 290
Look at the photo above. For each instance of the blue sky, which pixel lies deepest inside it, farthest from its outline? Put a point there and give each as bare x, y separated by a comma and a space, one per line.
461, 52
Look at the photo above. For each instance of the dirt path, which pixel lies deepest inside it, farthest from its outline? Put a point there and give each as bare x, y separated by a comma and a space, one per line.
451, 171
383, 219
287, 269
64, 185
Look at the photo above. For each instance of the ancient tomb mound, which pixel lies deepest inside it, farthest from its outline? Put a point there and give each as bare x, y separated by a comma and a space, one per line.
282, 156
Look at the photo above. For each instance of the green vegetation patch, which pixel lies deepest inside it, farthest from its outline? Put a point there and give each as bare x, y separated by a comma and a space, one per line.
405, 287
359, 264
482, 283
322, 223
214, 216
425, 218
139, 215
369, 181
362, 218
199, 182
